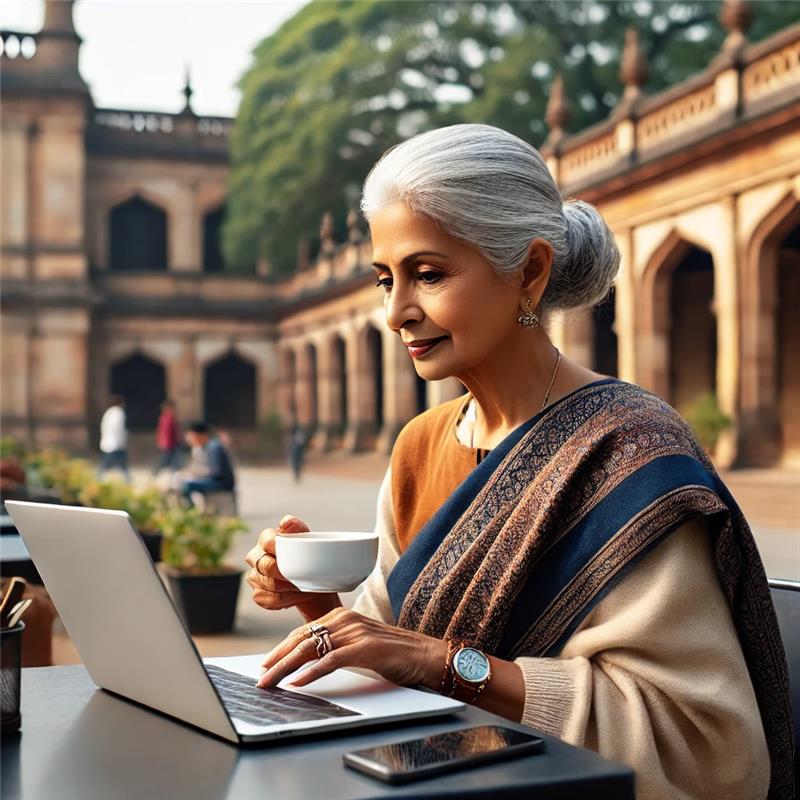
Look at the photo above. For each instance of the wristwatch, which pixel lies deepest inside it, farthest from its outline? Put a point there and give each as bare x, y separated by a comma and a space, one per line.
470, 672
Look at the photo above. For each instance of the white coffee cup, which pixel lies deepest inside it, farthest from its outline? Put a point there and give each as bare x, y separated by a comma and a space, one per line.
326, 561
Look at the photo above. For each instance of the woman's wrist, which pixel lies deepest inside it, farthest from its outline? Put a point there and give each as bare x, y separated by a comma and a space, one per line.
433, 657
319, 606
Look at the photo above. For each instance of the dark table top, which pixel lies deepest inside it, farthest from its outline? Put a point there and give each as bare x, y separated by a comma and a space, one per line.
81, 743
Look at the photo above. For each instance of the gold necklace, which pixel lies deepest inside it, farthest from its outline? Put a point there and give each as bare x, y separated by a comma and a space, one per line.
544, 402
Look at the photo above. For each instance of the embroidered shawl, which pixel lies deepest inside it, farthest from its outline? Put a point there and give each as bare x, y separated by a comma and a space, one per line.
559, 512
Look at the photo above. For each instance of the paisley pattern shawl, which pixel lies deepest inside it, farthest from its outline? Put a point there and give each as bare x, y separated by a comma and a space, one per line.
558, 513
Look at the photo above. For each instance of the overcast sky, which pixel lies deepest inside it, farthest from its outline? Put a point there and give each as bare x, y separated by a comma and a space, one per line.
135, 52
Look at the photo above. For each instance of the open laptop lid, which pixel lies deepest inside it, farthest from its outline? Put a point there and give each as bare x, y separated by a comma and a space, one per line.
118, 612
133, 641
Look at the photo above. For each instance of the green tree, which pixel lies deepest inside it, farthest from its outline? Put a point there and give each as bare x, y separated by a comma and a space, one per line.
340, 82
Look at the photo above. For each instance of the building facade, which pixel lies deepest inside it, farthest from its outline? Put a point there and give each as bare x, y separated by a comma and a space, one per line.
112, 278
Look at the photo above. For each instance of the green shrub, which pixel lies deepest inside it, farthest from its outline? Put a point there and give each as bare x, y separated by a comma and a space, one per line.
194, 540
707, 420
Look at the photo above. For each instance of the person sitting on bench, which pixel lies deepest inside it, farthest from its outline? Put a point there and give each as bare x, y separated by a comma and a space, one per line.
219, 476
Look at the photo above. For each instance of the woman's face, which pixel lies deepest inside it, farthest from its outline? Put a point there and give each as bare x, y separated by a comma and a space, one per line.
451, 309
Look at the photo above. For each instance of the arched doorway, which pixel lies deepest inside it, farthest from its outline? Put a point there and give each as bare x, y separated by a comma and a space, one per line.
229, 393
375, 366
604, 338
213, 260
692, 330
141, 381
138, 236
676, 324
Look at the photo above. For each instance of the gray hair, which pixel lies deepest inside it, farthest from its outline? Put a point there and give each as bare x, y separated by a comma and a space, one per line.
493, 191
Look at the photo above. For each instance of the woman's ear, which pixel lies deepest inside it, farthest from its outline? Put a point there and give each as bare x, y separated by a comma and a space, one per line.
536, 271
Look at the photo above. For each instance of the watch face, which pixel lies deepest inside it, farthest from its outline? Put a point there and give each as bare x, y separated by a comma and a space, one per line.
471, 665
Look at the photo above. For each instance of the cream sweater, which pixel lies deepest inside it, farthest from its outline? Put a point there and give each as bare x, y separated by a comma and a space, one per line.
654, 677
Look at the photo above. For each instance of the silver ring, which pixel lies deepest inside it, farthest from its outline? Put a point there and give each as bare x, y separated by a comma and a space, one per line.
258, 561
322, 638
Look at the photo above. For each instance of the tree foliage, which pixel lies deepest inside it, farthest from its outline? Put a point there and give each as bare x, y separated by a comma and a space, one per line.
340, 82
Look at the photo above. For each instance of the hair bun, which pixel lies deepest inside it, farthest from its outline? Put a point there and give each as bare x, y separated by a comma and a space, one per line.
585, 276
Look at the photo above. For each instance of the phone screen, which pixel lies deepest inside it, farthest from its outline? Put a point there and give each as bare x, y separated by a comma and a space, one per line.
451, 747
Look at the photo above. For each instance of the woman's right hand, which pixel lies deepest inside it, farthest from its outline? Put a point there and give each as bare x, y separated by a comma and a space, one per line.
270, 589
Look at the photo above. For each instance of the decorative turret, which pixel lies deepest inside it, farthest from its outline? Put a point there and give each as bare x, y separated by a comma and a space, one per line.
327, 245
58, 45
633, 72
354, 233
736, 17
557, 114
187, 93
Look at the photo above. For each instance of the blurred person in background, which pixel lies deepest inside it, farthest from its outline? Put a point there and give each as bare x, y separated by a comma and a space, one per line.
168, 438
211, 459
114, 438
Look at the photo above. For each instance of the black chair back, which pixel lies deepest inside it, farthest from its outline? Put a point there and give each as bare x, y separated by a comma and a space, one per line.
786, 599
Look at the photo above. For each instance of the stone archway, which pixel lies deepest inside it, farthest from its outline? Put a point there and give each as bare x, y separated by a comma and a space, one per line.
677, 331
138, 236
142, 382
692, 330
769, 430
229, 393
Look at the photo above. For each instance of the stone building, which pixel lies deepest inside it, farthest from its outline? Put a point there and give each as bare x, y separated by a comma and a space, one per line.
112, 278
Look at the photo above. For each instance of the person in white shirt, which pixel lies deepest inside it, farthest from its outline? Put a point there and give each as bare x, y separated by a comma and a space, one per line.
114, 438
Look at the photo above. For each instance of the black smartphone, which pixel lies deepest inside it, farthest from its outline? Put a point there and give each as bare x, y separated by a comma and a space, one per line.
415, 759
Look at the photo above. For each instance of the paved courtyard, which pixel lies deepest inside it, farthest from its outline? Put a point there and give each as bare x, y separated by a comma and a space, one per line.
339, 493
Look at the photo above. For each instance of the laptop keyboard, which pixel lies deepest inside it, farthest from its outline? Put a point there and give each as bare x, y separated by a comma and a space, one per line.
270, 706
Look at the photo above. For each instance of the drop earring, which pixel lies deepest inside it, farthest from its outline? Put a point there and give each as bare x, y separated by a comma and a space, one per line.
528, 318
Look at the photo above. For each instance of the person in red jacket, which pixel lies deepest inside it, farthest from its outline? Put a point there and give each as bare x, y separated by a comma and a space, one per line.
168, 438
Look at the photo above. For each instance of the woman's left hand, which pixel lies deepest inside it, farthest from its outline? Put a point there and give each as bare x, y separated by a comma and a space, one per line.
399, 655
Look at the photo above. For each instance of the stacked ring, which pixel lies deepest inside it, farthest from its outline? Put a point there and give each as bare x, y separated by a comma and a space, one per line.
322, 638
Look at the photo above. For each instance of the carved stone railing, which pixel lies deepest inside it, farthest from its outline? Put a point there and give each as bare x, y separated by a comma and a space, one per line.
145, 122
597, 154
17, 46
774, 71
673, 119
736, 86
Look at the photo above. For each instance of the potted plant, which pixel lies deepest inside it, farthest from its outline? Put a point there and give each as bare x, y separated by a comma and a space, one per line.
143, 506
194, 546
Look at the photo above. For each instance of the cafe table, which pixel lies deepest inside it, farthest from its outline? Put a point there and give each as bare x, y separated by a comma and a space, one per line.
78, 742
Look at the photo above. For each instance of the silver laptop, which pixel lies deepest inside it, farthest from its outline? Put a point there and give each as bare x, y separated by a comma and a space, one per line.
133, 642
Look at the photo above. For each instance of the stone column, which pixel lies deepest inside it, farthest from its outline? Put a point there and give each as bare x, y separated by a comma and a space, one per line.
625, 311
726, 307
305, 397
329, 397
360, 434
59, 378
399, 397
183, 237
57, 220
287, 390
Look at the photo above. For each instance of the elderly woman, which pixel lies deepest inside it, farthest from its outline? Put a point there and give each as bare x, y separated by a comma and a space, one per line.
555, 547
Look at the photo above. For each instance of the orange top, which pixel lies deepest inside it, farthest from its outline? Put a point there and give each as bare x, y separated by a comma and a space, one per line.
428, 464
